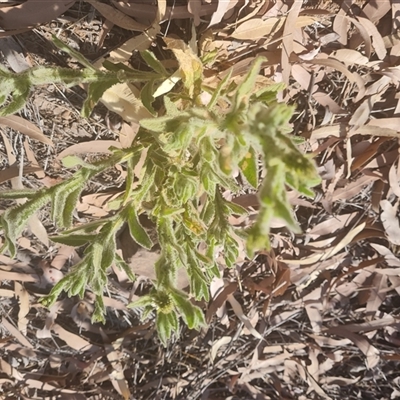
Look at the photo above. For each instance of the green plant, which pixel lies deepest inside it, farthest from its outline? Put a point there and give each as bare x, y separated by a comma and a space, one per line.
192, 151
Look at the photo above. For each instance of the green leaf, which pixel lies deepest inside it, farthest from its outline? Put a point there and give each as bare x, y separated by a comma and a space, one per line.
247, 85
268, 94
173, 321
109, 252
190, 65
231, 251
217, 92
235, 208
79, 284
86, 228
18, 194
121, 264
184, 307
99, 310
15, 219
146, 95
164, 328
72, 161
146, 300
51, 298
17, 103
185, 186
73, 53
170, 107
249, 167
94, 93
74, 240
198, 281
153, 62
95, 251
70, 205
209, 57
157, 125
138, 233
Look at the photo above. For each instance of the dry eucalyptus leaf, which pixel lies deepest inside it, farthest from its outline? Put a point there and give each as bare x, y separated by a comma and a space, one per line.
117, 17
32, 12
93, 146
25, 127
121, 99
257, 28
390, 221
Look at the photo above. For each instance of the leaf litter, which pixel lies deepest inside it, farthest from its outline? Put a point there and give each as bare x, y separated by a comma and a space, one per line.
317, 316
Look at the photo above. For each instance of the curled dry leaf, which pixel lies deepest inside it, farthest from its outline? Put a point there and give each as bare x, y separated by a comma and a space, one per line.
217, 345
390, 123
377, 40
353, 77
362, 114
217, 285
364, 35
332, 224
237, 309
220, 300
14, 55
222, 8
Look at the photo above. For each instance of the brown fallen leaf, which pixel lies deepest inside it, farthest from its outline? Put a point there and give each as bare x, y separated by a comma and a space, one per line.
25, 127
377, 40
114, 356
13, 171
194, 7
353, 77
371, 352
74, 341
257, 28
16, 333
329, 252
32, 12
220, 300
390, 221
349, 57
287, 40
23, 300
93, 146
375, 10
117, 17
14, 55
222, 8
237, 309
51, 316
